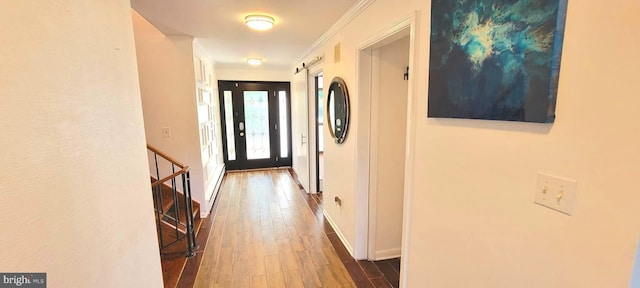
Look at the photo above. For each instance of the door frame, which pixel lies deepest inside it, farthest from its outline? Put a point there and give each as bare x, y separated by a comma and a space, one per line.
319, 105
313, 129
237, 87
367, 80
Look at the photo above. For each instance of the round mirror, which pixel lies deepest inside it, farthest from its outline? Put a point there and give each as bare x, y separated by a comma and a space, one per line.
338, 106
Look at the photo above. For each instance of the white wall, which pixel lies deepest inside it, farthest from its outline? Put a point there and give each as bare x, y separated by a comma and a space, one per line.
253, 74
473, 221
76, 199
167, 85
388, 151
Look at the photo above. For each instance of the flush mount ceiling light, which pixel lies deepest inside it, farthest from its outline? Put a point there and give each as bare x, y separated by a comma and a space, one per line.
254, 61
259, 22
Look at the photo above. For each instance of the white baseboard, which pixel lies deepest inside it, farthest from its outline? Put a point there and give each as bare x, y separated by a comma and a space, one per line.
339, 233
205, 212
388, 254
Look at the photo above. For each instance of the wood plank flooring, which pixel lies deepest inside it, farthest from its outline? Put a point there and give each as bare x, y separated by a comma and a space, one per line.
384, 273
265, 234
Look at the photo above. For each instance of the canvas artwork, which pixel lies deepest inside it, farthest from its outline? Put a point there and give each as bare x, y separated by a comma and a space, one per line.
495, 59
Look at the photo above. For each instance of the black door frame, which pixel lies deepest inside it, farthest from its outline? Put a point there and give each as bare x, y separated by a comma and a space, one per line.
236, 88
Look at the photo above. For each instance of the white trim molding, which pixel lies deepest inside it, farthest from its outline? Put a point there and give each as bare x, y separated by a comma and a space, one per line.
390, 34
388, 254
410, 147
373, 121
348, 16
338, 232
205, 212
406, 26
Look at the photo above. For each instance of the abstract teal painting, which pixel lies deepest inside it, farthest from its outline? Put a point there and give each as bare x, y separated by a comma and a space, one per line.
495, 59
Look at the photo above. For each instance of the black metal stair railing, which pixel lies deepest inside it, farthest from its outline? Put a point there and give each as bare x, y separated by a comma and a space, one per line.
177, 221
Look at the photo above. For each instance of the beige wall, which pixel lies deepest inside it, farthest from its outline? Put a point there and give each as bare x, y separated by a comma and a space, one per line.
387, 160
472, 221
76, 199
167, 86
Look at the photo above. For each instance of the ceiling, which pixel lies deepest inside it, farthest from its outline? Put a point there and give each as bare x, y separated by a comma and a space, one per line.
219, 27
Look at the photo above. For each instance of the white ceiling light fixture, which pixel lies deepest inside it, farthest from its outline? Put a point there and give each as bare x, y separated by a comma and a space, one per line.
259, 22
254, 61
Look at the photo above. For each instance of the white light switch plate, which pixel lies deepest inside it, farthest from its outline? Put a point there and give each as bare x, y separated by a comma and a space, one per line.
556, 193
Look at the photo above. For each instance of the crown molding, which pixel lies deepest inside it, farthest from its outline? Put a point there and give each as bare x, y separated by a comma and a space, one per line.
348, 16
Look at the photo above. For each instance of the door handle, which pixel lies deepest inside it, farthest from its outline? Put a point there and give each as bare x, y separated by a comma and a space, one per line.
241, 129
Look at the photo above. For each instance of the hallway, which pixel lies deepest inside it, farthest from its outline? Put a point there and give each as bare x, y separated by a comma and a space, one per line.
265, 235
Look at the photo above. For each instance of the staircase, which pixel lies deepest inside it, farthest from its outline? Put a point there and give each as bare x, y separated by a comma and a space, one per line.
177, 215
174, 229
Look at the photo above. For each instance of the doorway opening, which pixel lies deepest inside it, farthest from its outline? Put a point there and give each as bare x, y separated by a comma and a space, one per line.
319, 124
256, 129
387, 148
315, 123
384, 166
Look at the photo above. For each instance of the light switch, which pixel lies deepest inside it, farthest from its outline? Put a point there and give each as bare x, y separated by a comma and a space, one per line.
556, 193
166, 132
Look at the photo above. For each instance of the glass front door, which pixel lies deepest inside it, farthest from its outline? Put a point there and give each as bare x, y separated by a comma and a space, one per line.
256, 124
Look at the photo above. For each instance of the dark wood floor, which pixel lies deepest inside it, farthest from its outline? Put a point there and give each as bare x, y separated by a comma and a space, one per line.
384, 273
266, 232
